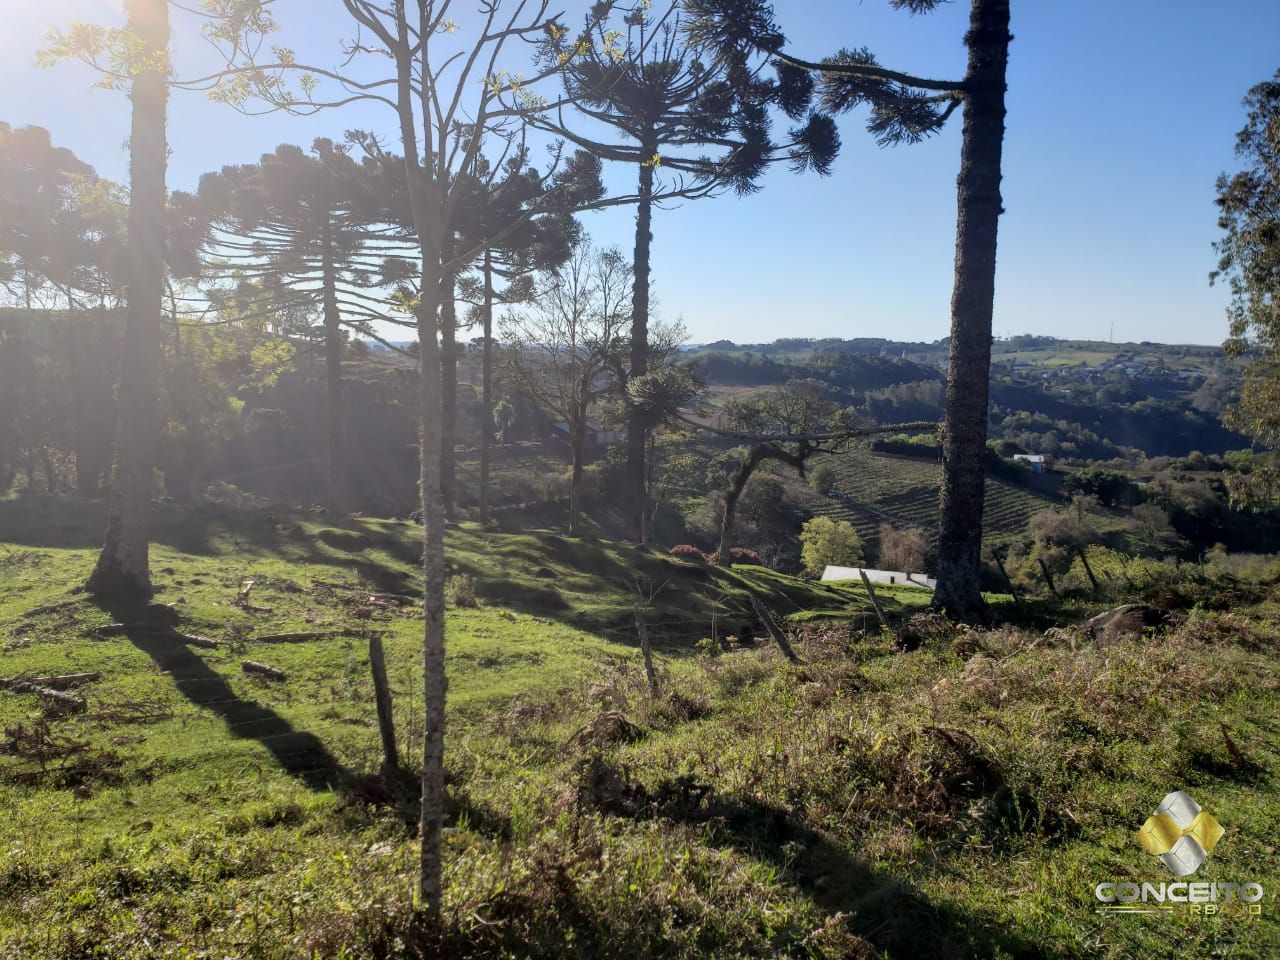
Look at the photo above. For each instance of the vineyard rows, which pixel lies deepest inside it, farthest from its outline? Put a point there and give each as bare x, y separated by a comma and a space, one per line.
872, 489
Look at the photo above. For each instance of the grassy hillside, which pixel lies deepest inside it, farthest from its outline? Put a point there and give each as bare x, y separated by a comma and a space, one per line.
961, 799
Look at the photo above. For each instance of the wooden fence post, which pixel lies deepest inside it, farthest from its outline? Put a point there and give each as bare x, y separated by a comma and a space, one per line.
1013, 591
774, 631
382, 699
875, 602
1087, 569
1048, 577
642, 628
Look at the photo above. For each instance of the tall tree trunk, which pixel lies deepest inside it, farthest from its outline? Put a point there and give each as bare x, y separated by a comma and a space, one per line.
486, 388
636, 427
81, 431
448, 386
969, 372
334, 409
122, 571
433, 575
427, 207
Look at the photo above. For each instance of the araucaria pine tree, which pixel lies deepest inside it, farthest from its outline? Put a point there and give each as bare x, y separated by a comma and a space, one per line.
691, 124
904, 109
307, 231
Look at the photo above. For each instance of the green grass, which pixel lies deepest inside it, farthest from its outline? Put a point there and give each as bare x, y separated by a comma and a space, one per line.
959, 800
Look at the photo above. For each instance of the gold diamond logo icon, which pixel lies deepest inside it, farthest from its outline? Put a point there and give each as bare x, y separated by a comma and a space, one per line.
1180, 833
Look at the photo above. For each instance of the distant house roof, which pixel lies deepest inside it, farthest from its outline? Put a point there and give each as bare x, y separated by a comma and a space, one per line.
833, 574
1030, 457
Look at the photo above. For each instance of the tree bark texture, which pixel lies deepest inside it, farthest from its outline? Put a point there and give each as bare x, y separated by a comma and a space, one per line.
448, 388
425, 199
486, 388
636, 426
577, 446
978, 205
122, 571
335, 415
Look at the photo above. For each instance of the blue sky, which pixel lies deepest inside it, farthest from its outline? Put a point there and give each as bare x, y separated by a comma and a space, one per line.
1121, 115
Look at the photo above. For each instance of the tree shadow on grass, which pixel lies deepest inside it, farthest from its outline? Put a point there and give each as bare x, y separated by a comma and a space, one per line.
300, 754
883, 909
880, 907
221, 532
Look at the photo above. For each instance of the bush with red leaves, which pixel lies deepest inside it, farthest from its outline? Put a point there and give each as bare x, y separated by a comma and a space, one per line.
688, 551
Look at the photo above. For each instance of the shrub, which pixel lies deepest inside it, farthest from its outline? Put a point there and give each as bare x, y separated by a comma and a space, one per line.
744, 555
460, 591
687, 550
823, 478
826, 541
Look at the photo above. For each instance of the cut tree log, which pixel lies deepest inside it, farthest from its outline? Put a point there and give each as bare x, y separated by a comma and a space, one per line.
262, 670
161, 630
194, 640
774, 630
53, 683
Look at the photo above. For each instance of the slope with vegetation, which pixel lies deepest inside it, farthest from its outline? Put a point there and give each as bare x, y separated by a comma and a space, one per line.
930, 791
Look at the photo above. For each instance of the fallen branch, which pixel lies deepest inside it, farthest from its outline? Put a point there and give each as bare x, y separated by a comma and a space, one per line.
261, 669
389, 600
54, 683
53, 607
242, 600
332, 585
54, 698
191, 639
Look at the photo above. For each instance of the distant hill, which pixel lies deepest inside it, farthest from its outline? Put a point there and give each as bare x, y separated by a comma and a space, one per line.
1076, 400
